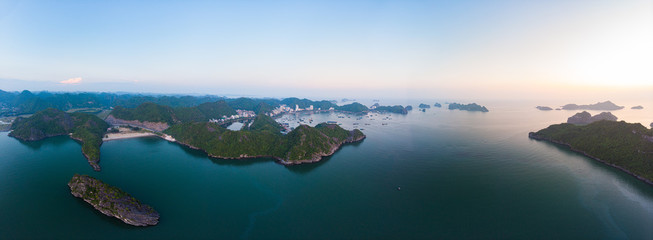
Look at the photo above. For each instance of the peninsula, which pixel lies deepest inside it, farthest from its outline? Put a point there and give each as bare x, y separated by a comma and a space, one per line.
468, 107
263, 138
625, 146
112, 201
86, 128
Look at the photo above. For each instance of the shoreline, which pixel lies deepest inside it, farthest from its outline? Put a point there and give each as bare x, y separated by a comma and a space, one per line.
533, 135
277, 159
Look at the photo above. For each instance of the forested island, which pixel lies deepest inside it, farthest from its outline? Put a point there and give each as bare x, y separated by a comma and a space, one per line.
392, 109
437, 105
263, 138
626, 146
422, 105
86, 128
468, 107
112, 201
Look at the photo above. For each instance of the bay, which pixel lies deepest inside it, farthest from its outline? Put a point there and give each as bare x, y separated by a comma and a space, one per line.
425, 175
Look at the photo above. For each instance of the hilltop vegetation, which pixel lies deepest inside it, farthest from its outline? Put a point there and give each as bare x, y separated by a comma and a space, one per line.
26, 102
151, 112
263, 139
112, 201
627, 146
146, 112
89, 129
354, 107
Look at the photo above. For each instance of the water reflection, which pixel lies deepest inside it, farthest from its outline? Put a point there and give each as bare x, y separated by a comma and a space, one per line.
53, 141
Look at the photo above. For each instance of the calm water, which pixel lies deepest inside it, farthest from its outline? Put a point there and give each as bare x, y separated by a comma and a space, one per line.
461, 174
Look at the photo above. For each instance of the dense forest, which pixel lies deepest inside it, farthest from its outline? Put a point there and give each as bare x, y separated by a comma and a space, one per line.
626, 145
26, 102
264, 138
87, 128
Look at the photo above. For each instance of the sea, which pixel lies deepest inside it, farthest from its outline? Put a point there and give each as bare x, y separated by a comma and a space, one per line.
437, 174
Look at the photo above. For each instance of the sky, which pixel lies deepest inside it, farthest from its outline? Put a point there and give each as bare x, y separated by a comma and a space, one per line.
324, 49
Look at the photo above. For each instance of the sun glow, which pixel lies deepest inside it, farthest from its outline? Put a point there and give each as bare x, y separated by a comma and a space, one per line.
616, 56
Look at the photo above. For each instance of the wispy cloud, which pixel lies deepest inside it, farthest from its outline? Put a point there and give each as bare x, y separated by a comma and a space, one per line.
76, 80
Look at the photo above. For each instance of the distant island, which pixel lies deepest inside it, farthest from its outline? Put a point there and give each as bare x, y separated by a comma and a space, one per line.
422, 105
630, 144
586, 118
393, 109
605, 106
468, 107
86, 128
637, 107
437, 105
112, 201
544, 108
409, 107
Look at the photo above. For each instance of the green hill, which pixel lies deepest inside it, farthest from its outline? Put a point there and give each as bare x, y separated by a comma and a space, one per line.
263, 139
152, 112
627, 146
353, 107
89, 129
393, 109
146, 112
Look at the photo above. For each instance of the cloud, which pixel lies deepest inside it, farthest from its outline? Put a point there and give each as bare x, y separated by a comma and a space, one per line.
76, 80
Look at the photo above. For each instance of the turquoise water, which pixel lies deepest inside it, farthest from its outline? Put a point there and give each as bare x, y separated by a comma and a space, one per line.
460, 174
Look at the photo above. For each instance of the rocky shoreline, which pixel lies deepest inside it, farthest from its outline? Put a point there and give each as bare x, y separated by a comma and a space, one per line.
112, 201
535, 136
281, 160
95, 164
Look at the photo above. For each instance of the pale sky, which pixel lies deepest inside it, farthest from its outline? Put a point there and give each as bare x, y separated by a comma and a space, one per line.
328, 49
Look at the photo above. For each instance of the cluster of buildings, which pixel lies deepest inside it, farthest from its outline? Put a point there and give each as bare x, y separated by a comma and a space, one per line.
279, 110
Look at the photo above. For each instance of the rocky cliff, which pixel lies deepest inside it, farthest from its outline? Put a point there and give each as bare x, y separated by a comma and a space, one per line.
112, 201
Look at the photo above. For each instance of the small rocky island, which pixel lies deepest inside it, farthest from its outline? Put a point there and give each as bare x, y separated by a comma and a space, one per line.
600, 106
422, 105
638, 107
112, 201
473, 107
587, 118
544, 108
437, 105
